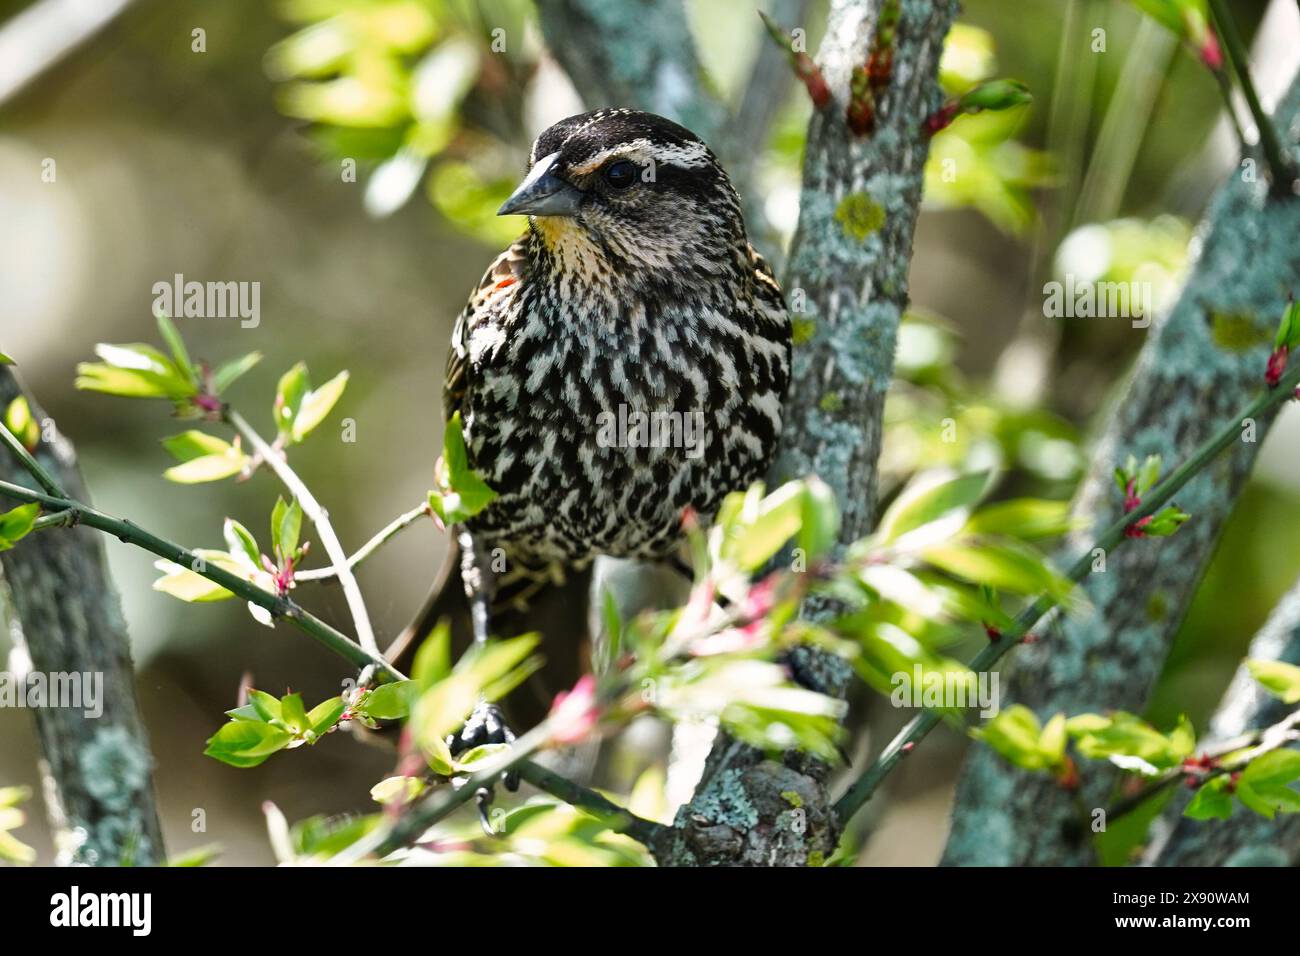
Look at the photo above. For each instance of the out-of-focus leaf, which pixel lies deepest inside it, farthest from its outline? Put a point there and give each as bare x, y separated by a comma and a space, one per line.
17, 523
1024, 518
228, 372
1279, 678
929, 499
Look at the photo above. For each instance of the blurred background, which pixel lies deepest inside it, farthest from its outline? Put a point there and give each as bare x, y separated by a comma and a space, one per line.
231, 163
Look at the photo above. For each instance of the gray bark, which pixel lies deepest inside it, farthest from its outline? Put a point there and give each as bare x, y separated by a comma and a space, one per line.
98, 771
1202, 363
847, 282
847, 286
1244, 839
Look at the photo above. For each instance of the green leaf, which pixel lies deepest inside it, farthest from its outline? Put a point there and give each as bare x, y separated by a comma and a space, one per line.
396, 790
390, 701
433, 659
294, 714
135, 371
762, 524
289, 392
1165, 522
241, 542
172, 336
1210, 802
1017, 735
243, 743
1131, 742
1276, 768
1280, 679
999, 566
17, 523
188, 585
228, 372
18, 419
266, 705
462, 493
326, 714
1148, 474
1023, 518
6, 360
204, 458
286, 524
316, 405
469, 761
819, 525
928, 499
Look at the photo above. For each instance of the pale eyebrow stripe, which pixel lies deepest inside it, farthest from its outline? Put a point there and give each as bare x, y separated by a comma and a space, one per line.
689, 155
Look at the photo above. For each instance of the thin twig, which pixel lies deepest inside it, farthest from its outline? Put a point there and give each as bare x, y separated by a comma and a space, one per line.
319, 518
1282, 170
131, 533
866, 785
37, 470
370, 547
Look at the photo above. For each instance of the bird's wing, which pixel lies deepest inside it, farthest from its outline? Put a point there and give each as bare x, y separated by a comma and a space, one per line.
505, 271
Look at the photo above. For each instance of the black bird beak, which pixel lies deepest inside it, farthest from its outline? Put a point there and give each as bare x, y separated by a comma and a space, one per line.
543, 193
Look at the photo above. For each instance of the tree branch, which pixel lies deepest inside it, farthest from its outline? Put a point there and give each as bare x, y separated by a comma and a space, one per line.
1245, 839
1202, 362
847, 287
319, 518
131, 533
386, 534
632, 54
98, 771
1115, 536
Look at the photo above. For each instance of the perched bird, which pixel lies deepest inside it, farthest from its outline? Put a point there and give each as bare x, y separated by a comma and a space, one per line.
625, 359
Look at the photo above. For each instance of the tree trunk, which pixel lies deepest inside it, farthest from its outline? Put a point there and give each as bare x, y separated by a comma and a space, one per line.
1202, 363
98, 770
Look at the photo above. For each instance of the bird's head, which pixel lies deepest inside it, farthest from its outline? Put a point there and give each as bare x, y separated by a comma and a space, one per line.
633, 193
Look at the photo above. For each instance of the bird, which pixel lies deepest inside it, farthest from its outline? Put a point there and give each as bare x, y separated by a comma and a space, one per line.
625, 361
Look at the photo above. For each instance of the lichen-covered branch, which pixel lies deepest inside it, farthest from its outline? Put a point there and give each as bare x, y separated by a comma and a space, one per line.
98, 769
847, 288
1202, 362
632, 54
1245, 839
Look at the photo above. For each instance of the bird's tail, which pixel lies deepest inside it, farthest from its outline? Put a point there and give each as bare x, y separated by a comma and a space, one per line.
558, 610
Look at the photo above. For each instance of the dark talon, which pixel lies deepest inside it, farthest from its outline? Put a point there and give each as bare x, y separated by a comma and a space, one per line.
485, 726
483, 800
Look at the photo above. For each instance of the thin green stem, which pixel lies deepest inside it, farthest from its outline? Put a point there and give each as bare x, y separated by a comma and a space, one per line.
1283, 172
37, 470
638, 828
866, 785
319, 518
1225, 88
370, 547
131, 533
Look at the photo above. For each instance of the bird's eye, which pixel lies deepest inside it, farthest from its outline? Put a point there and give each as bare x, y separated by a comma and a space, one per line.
621, 174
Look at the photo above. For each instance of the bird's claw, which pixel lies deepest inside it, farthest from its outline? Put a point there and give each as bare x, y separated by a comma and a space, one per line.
485, 726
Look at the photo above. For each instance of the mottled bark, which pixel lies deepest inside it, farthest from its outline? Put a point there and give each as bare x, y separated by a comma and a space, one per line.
1203, 362
847, 288
632, 54
98, 770
1246, 838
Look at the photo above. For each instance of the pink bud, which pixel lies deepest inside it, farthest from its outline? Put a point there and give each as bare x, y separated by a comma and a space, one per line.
1211, 55
574, 713
1276, 366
